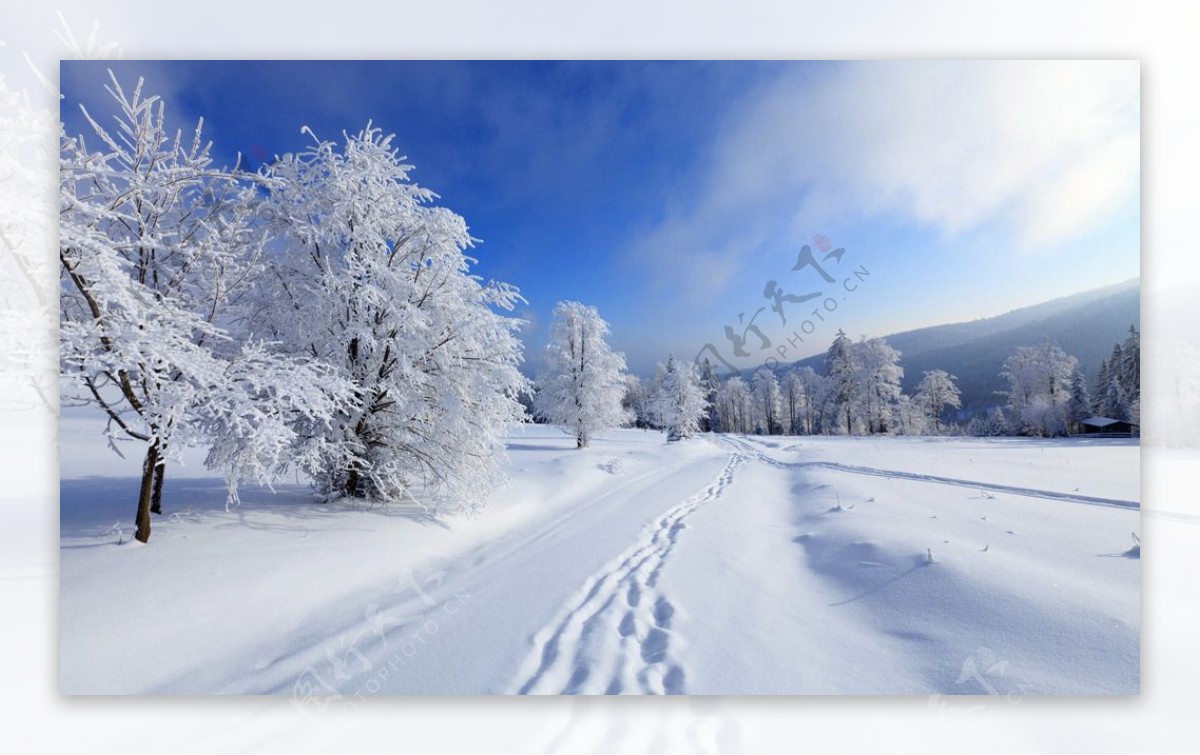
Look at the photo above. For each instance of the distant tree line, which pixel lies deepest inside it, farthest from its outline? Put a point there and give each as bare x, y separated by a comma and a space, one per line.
860, 394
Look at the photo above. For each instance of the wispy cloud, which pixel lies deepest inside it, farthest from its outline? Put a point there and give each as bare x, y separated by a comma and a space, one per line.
1034, 153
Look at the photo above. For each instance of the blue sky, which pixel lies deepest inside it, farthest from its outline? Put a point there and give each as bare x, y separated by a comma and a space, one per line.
668, 193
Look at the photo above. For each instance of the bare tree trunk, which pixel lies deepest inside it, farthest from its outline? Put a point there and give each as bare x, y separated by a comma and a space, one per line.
156, 494
351, 483
143, 509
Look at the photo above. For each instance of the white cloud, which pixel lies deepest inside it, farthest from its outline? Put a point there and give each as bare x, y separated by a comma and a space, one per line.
1036, 152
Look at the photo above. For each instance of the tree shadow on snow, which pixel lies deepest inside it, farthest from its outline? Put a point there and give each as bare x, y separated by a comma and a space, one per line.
843, 563
1135, 553
541, 447
94, 506
871, 591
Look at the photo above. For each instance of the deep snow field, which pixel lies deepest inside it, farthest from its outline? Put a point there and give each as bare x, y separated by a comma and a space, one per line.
718, 565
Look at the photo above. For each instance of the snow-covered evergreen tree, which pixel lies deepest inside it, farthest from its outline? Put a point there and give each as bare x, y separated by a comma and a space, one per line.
1122, 368
996, 424
1130, 369
1133, 411
1115, 359
710, 383
679, 400
937, 391
1113, 403
1100, 389
157, 247
373, 279
1130, 375
1079, 407
584, 381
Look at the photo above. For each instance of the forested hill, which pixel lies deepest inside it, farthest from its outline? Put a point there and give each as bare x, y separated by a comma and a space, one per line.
1086, 325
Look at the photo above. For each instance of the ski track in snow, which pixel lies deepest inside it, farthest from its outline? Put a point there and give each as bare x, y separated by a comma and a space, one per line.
617, 637
749, 448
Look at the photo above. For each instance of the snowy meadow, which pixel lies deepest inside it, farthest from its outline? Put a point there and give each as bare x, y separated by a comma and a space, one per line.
720, 565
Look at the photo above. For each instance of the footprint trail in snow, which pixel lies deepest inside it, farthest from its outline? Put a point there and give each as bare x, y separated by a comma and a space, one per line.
617, 636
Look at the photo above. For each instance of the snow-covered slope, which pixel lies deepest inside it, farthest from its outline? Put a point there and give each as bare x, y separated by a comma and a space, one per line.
718, 565
1085, 325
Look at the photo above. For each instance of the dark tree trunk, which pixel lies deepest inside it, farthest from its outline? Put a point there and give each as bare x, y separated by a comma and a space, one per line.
147, 491
351, 483
156, 494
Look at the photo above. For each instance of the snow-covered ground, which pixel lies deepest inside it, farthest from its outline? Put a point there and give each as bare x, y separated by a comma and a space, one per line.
718, 565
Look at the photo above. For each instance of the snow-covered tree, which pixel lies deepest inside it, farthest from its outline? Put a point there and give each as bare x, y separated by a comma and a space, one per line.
1115, 359
1129, 370
156, 249
1133, 410
1100, 389
637, 402
374, 280
1039, 379
583, 382
996, 424
710, 383
794, 399
525, 399
841, 370
1129, 374
735, 406
911, 415
937, 391
679, 401
879, 375
1079, 406
1119, 381
768, 402
270, 413
863, 385
813, 389
1113, 403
